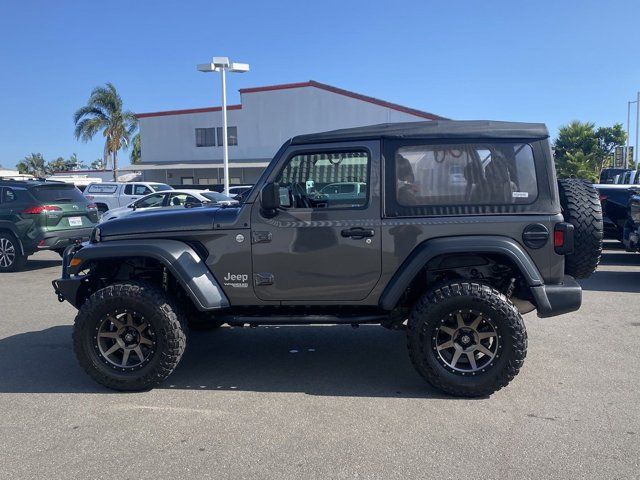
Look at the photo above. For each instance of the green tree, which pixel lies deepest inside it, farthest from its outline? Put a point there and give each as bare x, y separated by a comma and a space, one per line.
136, 152
104, 112
581, 150
97, 164
75, 162
60, 165
33, 164
608, 139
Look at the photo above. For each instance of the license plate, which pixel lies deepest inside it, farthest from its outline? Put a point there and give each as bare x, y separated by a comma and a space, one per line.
75, 221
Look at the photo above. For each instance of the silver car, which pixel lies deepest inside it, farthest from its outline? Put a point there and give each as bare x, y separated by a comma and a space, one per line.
169, 199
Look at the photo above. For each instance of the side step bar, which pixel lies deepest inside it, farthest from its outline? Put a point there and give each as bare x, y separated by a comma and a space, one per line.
241, 320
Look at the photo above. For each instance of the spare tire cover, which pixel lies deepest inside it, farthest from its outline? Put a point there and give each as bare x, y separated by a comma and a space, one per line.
581, 207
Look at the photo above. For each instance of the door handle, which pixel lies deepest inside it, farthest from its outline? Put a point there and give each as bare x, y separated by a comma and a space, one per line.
358, 232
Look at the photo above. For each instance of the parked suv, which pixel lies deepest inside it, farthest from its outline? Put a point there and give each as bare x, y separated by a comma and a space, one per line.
41, 215
461, 229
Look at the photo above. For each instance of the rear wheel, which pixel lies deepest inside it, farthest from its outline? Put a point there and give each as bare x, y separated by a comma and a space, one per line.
129, 336
11, 258
581, 207
466, 339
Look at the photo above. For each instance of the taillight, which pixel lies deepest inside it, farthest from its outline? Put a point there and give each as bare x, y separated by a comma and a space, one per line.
40, 209
92, 206
558, 238
563, 238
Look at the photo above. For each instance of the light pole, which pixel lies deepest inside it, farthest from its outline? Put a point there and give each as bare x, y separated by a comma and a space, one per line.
625, 163
222, 65
635, 150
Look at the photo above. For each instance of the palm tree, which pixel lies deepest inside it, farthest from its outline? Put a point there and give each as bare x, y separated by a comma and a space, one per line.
103, 112
136, 151
33, 164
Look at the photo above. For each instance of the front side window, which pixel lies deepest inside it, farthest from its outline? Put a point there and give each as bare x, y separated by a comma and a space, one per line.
493, 174
151, 201
325, 180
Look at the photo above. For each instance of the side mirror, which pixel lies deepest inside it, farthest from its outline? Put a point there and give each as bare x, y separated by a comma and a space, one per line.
132, 205
270, 198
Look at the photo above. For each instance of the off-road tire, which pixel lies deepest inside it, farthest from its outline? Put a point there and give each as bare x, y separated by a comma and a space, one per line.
160, 311
581, 207
17, 260
438, 303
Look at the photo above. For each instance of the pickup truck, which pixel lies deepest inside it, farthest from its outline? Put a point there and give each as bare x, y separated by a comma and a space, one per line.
110, 195
615, 200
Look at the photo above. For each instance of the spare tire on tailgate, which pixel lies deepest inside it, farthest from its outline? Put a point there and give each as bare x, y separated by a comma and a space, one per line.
581, 208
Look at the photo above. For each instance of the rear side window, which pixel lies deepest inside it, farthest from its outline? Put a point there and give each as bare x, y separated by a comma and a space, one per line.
100, 188
58, 194
492, 174
161, 187
141, 190
8, 195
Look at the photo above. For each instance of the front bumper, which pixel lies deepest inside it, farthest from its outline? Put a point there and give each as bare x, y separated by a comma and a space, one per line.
66, 287
63, 238
552, 300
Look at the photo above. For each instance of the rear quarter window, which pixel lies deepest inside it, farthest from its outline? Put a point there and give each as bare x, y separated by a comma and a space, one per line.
102, 189
486, 176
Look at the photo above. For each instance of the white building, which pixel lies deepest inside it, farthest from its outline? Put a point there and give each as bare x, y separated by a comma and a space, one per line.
183, 147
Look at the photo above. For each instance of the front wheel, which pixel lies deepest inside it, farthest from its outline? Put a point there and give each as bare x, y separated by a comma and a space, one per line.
466, 339
129, 336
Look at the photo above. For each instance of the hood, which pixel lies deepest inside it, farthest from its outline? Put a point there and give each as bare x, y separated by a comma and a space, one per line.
159, 221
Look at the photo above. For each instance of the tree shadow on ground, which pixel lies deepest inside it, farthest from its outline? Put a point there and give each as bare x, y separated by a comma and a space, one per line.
316, 360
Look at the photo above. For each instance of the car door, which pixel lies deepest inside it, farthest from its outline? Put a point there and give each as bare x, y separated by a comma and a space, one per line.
318, 248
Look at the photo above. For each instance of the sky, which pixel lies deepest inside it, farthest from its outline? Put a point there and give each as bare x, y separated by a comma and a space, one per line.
541, 61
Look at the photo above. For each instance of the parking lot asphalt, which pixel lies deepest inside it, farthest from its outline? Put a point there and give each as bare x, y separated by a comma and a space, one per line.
323, 402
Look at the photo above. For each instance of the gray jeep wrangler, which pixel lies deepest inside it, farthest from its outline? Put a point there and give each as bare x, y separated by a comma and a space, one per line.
448, 229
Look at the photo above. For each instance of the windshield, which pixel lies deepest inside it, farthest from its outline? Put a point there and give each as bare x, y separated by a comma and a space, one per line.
216, 197
160, 187
58, 194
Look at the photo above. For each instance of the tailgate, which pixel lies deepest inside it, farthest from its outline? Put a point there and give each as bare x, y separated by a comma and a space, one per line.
66, 207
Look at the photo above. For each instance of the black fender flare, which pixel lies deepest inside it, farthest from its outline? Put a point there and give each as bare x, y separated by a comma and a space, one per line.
180, 259
463, 244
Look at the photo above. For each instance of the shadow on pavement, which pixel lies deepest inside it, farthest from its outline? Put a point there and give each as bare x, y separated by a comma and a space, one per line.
615, 280
331, 360
623, 259
37, 264
612, 281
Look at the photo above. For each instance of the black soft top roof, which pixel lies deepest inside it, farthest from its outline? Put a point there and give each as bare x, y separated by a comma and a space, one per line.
448, 129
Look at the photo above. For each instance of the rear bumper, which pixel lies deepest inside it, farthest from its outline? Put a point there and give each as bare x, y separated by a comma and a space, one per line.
552, 300
63, 238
